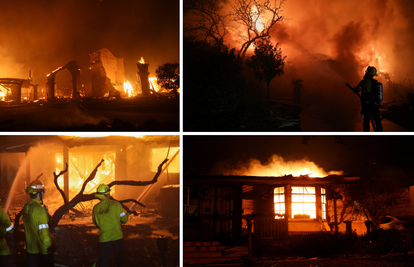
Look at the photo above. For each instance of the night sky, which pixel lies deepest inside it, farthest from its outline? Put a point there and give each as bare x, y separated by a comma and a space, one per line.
42, 35
363, 156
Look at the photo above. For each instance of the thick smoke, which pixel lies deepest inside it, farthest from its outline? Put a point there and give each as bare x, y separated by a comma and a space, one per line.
329, 43
352, 33
43, 35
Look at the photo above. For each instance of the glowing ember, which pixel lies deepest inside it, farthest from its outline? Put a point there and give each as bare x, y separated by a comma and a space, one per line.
2, 96
128, 88
141, 61
277, 166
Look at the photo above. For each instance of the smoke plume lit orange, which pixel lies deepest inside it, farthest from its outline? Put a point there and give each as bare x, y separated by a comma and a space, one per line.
276, 166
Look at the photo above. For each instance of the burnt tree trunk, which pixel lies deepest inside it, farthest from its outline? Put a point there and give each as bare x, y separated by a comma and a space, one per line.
81, 197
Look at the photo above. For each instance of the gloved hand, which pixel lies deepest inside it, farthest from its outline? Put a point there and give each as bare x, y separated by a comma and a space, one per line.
9, 238
51, 249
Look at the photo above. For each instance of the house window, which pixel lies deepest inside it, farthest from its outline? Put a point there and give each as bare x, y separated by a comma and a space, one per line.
159, 154
279, 202
323, 203
303, 202
191, 203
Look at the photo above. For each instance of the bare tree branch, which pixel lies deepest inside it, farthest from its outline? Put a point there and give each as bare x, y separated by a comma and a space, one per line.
205, 20
56, 176
81, 197
257, 18
39, 176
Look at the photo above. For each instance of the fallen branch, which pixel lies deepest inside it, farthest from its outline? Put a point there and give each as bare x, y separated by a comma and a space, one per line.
56, 176
81, 197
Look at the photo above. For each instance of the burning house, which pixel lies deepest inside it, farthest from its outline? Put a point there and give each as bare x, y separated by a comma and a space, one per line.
221, 209
280, 206
107, 73
143, 170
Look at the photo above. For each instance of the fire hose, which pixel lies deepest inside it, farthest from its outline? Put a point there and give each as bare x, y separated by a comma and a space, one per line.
149, 187
359, 96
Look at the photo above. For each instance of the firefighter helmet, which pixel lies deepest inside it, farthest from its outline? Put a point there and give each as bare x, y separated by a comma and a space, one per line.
30, 190
37, 185
103, 189
371, 70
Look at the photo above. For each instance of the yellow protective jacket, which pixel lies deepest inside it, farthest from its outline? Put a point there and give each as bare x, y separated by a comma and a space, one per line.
36, 228
108, 215
5, 227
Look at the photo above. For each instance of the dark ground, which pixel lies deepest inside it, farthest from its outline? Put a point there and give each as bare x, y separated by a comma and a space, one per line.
277, 117
88, 114
77, 242
402, 115
389, 261
284, 117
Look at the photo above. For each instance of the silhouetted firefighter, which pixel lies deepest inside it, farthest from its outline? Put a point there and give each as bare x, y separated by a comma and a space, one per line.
371, 98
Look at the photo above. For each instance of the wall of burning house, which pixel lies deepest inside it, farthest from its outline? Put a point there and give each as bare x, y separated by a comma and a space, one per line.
107, 71
121, 162
212, 211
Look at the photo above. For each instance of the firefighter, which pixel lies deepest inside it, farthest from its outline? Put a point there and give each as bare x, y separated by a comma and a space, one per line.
6, 232
108, 215
39, 240
369, 105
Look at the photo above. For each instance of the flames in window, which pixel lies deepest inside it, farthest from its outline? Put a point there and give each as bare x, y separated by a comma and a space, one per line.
80, 166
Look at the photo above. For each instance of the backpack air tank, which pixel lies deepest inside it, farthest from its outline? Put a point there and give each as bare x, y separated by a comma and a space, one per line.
379, 93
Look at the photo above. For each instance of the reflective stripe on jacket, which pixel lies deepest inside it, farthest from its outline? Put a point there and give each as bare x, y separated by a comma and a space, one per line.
5, 227
36, 228
107, 216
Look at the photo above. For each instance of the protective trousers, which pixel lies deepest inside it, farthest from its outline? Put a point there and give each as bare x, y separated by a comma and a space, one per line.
105, 251
40, 260
371, 111
5, 260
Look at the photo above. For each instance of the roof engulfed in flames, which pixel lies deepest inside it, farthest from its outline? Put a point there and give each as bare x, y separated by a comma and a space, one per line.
277, 166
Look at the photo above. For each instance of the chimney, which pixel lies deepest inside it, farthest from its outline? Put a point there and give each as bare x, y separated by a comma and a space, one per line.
142, 73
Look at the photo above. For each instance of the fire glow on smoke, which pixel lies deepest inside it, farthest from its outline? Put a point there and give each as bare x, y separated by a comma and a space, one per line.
277, 166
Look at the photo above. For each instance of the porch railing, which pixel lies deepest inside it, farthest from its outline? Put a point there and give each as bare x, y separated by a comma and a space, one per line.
265, 226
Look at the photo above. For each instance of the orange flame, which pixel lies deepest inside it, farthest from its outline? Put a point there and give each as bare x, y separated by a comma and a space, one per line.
277, 166
141, 61
77, 176
154, 84
128, 88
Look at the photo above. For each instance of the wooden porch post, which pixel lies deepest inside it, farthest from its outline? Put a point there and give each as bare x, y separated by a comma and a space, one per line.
335, 217
66, 174
27, 173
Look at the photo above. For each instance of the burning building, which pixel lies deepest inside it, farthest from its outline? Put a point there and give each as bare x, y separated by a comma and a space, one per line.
218, 208
68, 162
107, 73
124, 158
